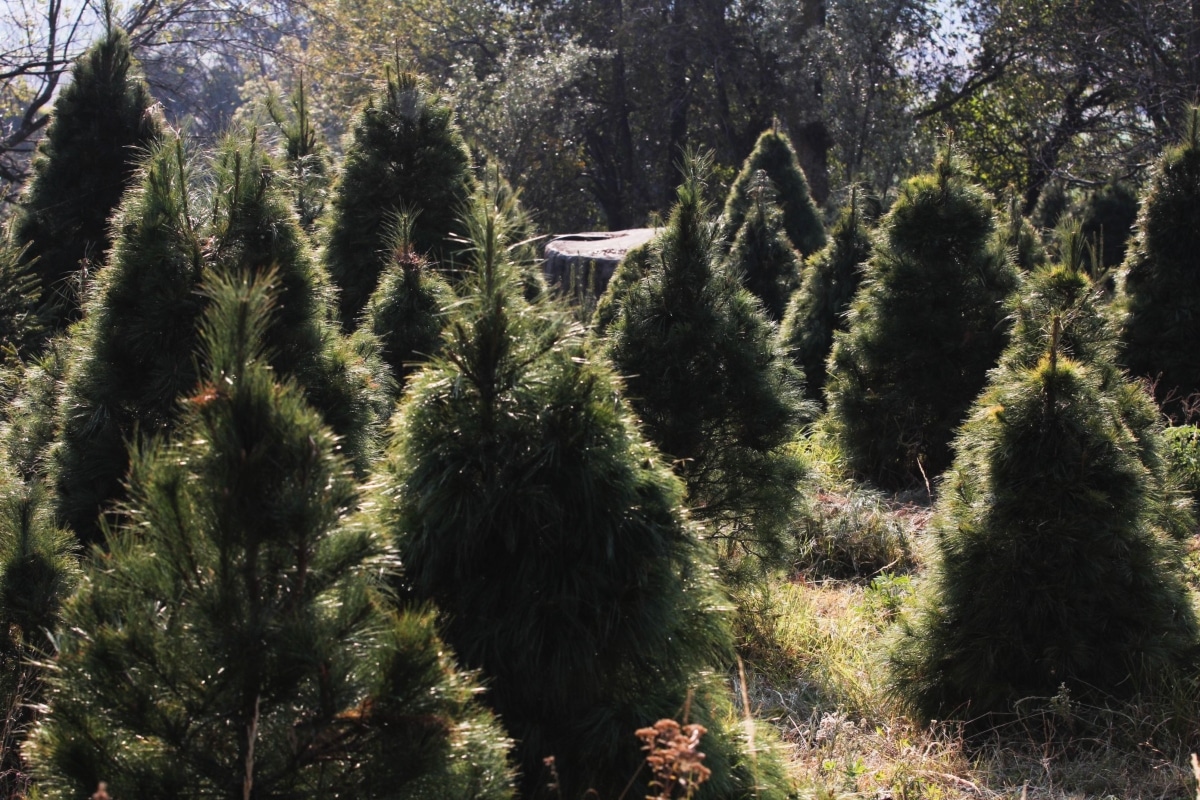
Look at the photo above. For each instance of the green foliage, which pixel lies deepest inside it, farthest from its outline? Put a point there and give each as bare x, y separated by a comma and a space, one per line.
306, 155
1053, 568
703, 373
133, 355
38, 571
253, 231
102, 121
406, 312
633, 267
21, 328
762, 254
38, 568
1086, 334
405, 156
1108, 215
1052, 207
31, 410
1183, 458
1064, 291
924, 329
528, 507
831, 278
774, 155
236, 638
1019, 238
1160, 279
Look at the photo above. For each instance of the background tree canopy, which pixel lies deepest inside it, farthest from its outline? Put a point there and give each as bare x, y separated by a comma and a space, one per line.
588, 104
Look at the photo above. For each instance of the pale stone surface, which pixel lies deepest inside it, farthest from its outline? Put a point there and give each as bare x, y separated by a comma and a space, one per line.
578, 262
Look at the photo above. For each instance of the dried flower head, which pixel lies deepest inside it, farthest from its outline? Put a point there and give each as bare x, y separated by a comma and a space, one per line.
674, 757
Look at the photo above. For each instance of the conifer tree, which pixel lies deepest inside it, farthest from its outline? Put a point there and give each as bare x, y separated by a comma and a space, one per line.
406, 155
633, 267
1107, 215
831, 278
21, 329
305, 154
527, 506
1088, 336
1160, 279
924, 329
774, 155
1053, 568
133, 356
253, 231
101, 125
703, 373
407, 311
762, 254
1018, 237
38, 571
236, 640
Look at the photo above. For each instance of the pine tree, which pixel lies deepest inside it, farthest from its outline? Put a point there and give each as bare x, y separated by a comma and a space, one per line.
236, 639
924, 329
1064, 291
762, 255
831, 278
1108, 215
407, 156
253, 231
703, 373
636, 265
21, 329
133, 356
1053, 568
407, 311
38, 571
774, 155
527, 506
1160, 279
102, 123
130, 359
305, 154
1018, 236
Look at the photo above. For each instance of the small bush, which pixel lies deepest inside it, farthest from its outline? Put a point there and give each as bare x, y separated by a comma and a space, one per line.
1183, 458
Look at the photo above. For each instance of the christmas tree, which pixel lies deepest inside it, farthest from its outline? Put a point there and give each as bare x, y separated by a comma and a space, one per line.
773, 154
102, 124
407, 156
703, 373
529, 509
236, 639
926, 326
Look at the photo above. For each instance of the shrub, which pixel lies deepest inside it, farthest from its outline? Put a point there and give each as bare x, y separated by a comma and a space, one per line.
1183, 458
